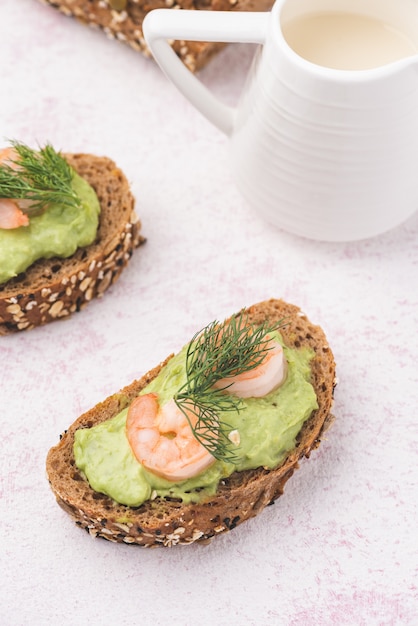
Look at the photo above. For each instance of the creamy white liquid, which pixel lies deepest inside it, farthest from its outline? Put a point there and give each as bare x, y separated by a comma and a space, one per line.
346, 41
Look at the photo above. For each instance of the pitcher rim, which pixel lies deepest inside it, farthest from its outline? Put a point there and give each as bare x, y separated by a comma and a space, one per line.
381, 71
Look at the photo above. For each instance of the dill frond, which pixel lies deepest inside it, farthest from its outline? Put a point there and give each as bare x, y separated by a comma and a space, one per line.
220, 351
40, 177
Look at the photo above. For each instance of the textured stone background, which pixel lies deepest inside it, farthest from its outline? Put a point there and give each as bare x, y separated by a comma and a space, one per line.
338, 548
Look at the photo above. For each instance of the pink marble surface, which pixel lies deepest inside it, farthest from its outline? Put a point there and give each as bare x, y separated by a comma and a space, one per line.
339, 548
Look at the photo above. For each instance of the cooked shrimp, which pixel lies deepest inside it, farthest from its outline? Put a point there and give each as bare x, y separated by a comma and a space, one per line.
11, 216
9, 156
162, 440
260, 380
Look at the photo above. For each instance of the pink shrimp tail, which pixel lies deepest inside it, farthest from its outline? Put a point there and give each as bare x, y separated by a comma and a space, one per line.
9, 156
10, 215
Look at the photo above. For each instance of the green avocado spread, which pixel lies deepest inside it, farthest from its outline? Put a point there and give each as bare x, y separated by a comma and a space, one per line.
58, 231
267, 428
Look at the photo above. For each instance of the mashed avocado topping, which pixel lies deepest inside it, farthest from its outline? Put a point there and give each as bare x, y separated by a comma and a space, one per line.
267, 427
57, 231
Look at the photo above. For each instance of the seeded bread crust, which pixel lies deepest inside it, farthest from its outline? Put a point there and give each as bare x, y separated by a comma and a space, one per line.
165, 522
126, 25
55, 288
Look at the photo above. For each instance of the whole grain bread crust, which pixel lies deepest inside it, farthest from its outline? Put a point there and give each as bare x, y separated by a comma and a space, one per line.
164, 522
126, 25
55, 288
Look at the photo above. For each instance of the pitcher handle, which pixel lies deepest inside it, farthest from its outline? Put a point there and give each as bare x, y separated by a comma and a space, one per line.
220, 26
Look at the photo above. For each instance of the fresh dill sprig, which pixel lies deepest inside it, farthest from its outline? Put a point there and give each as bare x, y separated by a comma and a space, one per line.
218, 352
39, 177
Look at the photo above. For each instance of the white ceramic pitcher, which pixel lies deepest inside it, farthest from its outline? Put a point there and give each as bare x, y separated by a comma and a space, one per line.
330, 154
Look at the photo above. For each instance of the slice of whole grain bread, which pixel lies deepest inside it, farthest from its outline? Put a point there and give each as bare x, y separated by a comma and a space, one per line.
122, 20
52, 289
241, 496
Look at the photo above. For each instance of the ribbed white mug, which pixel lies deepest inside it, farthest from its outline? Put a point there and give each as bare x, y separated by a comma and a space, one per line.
325, 153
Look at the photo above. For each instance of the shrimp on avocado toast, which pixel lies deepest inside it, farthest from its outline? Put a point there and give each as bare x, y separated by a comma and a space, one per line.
162, 439
205, 440
261, 379
68, 228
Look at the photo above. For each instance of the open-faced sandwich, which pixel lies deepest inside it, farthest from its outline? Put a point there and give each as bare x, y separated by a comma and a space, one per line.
205, 440
67, 230
122, 20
